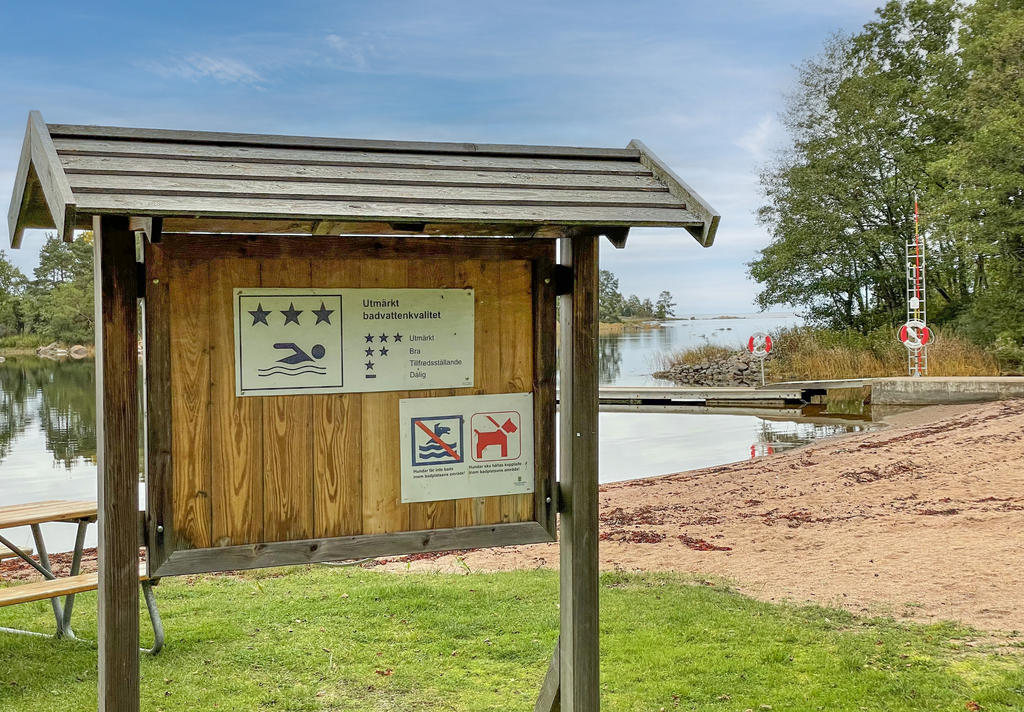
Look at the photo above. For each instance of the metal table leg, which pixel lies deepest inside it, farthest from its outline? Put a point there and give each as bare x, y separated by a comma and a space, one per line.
76, 567
154, 618
44, 560
25, 556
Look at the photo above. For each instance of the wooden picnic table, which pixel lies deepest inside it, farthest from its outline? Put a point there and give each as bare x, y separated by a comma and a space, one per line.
54, 510
52, 587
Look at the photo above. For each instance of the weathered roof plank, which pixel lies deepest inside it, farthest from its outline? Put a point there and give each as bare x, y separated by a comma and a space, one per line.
22, 189
242, 139
354, 158
504, 195
297, 171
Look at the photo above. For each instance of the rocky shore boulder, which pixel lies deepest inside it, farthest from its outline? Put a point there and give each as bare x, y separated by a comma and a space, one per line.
740, 369
52, 351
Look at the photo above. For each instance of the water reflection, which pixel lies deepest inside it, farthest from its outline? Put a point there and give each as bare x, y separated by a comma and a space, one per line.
63, 397
609, 359
777, 436
14, 413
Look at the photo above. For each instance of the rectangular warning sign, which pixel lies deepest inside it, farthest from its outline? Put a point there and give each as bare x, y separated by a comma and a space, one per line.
466, 446
292, 341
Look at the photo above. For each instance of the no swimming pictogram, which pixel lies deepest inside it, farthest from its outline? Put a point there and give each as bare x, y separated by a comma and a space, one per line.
437, 440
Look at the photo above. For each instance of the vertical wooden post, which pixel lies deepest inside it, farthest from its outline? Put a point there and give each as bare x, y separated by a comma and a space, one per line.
117, 458
579, 645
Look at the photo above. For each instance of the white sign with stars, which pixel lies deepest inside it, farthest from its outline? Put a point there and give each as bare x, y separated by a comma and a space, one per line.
291, 341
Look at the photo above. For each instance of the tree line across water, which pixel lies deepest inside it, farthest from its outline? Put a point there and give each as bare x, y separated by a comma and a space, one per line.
56, 304
614, 307
926, 101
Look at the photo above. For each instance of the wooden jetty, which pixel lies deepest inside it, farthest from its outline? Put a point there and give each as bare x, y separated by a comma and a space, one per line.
710, 397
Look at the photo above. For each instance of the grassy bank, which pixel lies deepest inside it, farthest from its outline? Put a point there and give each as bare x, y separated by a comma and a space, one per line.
625, 325
805, 353
21, 344
351, 639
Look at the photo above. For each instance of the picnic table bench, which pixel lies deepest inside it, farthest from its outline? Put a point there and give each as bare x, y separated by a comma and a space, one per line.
54, 587
6, 553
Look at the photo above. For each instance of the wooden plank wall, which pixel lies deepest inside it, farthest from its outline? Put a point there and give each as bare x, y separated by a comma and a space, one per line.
265, 469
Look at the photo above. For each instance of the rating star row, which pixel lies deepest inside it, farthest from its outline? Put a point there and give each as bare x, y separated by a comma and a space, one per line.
291, 314
383, 338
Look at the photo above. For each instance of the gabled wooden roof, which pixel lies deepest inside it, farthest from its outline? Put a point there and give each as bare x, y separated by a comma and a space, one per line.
247, 183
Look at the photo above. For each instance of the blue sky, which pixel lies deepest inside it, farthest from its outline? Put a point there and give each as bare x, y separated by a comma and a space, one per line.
701, 83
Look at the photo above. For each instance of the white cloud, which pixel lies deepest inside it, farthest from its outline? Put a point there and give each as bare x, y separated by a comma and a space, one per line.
203, 66
760, 140
352, 54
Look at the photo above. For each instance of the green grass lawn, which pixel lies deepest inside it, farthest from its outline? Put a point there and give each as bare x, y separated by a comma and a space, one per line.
350, 639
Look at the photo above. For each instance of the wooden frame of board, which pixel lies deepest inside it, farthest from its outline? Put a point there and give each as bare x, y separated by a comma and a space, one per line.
237, 483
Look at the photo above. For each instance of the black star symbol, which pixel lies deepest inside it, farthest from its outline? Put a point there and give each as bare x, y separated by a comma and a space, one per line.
369, 339
383, 338
397, 338
369, 365
369, 352
291, 315
260, 315
383, 352
323, 314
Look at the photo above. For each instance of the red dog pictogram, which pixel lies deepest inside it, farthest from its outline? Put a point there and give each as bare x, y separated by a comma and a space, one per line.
497, 437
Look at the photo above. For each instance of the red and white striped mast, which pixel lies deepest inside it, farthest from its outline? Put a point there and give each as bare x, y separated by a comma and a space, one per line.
915, 334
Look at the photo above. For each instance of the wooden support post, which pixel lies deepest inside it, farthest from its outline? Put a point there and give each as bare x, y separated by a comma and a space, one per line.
578, 644
117, 456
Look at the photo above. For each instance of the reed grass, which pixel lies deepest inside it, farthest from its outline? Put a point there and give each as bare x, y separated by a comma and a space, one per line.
625, 325
808, 353
692, 356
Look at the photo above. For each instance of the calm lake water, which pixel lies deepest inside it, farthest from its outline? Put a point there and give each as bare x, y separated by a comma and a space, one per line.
635, 445
48, 421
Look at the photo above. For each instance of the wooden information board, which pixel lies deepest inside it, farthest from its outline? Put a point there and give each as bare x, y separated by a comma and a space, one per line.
242, 482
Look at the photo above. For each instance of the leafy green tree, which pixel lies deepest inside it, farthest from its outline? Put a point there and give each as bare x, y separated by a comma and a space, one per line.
62, 262
981, 175
12, 288
609, 299
865, 120
59, 301
665, 306
632, 306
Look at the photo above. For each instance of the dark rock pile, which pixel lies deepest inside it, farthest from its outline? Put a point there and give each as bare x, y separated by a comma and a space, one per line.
740, 369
